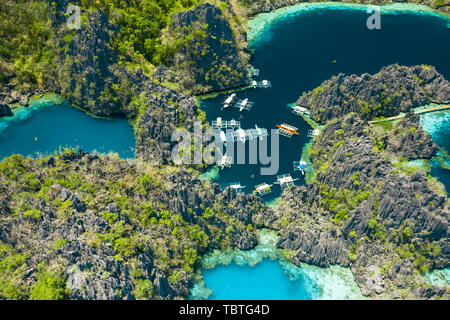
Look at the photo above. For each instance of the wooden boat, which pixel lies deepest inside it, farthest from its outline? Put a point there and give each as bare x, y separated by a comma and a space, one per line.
287, 128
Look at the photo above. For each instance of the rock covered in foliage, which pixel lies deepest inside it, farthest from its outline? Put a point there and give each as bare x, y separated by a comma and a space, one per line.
5, 110
102, 228
9, 97
363, 212
88, 65
209, 59
393, 90
161, 112
409, 140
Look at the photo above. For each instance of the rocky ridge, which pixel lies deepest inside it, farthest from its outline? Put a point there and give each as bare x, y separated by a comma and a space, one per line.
210, 59
393, 90
116, 233
388, 223
409, 140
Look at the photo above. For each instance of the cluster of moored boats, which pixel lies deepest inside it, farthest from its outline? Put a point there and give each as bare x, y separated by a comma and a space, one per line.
284, 180
236, 133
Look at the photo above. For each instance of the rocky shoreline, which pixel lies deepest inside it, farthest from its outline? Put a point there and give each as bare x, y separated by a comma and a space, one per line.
366, 208
108, 229
393, 90
263, 6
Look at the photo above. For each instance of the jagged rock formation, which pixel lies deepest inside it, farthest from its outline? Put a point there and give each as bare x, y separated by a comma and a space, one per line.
89, 70
27, 59
114, 232
410, 141
363, 212
10, 97
393, 90
91, 76
165, 111
210, 59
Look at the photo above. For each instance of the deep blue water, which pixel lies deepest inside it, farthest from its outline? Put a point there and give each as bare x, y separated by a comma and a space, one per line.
50, 127
265, 281
296, 54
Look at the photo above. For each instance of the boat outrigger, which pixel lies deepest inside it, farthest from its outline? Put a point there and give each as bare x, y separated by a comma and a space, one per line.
224, 124
236, 186
225, 162
263, 189
263, 84
287, 130
229, 101
244, 105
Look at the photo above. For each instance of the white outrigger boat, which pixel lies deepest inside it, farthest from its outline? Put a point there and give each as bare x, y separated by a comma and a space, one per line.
236, 186
299, 110
240, 133
225, 162
222, 138
263, 189
313, 133
244, 105
265, 84
285, 180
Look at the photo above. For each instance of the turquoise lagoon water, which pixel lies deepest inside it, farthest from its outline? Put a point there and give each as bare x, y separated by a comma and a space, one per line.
264, 273
46, 127
244, 282
307, 44
439, 277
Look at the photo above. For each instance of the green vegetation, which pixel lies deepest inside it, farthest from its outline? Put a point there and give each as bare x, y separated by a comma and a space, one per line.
50, 284
27, 52
143, 289
141, 24
352, 252
12, 267
341, 202
439, 3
